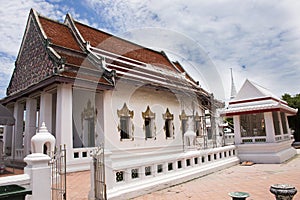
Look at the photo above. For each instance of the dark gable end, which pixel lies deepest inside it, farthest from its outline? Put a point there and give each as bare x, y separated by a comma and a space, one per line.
33, 63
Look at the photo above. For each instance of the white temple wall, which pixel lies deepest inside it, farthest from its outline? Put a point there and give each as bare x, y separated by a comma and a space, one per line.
137, 100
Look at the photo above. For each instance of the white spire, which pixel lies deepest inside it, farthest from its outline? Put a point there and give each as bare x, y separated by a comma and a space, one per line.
233, 90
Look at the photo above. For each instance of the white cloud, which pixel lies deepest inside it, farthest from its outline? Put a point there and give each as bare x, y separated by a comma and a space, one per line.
263, 36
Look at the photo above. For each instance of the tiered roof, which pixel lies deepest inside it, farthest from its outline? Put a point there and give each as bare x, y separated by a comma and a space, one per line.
253, 98
80, 53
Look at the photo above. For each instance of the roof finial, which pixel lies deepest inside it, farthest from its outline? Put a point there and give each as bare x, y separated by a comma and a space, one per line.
233, 90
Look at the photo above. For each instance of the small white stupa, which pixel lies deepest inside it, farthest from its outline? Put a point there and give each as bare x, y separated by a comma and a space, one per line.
43, 141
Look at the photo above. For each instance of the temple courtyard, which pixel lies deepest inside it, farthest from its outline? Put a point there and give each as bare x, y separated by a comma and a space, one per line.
255, 180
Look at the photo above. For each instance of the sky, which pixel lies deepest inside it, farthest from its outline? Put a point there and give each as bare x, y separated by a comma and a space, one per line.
259, 40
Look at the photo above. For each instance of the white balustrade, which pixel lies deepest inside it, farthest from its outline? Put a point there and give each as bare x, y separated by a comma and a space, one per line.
125, 173
81, 153
258, 139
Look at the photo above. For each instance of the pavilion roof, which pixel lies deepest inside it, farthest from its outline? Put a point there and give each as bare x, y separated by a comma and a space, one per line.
253, 98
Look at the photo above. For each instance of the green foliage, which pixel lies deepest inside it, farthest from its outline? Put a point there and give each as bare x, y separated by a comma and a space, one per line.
294, 121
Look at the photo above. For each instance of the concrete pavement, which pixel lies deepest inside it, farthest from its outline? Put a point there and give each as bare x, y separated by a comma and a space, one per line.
255, 179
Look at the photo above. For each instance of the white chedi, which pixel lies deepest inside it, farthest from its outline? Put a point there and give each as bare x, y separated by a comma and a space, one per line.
43, 141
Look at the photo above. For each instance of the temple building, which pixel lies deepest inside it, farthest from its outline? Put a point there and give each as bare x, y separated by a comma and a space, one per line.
261, 129
156, 124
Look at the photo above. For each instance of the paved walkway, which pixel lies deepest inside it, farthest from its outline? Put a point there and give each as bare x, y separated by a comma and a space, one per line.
255, 179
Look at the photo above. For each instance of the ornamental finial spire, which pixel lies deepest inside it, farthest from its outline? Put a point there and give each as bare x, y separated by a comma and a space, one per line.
233, 90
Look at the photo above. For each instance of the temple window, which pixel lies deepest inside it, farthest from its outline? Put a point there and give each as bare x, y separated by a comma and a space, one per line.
283, 122
252, 125
169, 126
276, 122
184, 125
125, 126
149, 125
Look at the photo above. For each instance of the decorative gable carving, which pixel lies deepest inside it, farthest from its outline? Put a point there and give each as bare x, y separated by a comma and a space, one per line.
33, 63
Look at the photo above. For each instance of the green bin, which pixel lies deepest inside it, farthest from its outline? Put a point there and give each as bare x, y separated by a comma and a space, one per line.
13, 192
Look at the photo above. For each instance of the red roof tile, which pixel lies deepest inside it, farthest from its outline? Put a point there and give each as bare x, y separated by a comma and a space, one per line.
122, 47
59, 34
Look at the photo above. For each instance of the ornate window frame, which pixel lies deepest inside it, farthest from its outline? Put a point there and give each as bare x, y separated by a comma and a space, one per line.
149, 124
169, 125
125, 119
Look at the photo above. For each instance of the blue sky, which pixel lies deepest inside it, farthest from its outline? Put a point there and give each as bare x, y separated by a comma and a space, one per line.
260, 40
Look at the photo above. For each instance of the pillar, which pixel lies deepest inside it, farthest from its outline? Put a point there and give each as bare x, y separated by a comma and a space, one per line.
46, 110
30, 125
269, 127
40, 175
64, 129
237, 129
8, 137
18, 128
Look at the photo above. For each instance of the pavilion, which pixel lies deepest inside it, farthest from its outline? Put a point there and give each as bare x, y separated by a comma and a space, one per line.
261, 128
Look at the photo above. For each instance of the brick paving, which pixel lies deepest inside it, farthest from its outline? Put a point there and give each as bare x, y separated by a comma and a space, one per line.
255, 179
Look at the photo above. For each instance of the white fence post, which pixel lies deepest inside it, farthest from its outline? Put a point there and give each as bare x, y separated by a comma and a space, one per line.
40, 176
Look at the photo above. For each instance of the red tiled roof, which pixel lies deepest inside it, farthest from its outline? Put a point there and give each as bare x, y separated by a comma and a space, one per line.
122, 47
59, 34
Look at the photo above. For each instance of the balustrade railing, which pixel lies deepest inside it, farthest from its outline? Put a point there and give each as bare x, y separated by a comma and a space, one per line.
125, 174
79, 153
254, 139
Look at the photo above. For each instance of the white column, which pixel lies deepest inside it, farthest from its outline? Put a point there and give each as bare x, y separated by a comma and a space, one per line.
280, 123
237, 129
287, 124
30, 125
64, 129
40, 176
18, 128
270, 132
8, 137
46, 110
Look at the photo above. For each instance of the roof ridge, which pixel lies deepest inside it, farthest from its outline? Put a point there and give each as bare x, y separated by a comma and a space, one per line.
49, 19
123, 39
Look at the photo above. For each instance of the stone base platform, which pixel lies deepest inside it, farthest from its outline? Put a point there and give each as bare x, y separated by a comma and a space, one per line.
266, 153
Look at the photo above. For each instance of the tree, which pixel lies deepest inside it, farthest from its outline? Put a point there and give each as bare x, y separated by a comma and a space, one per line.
294, 121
